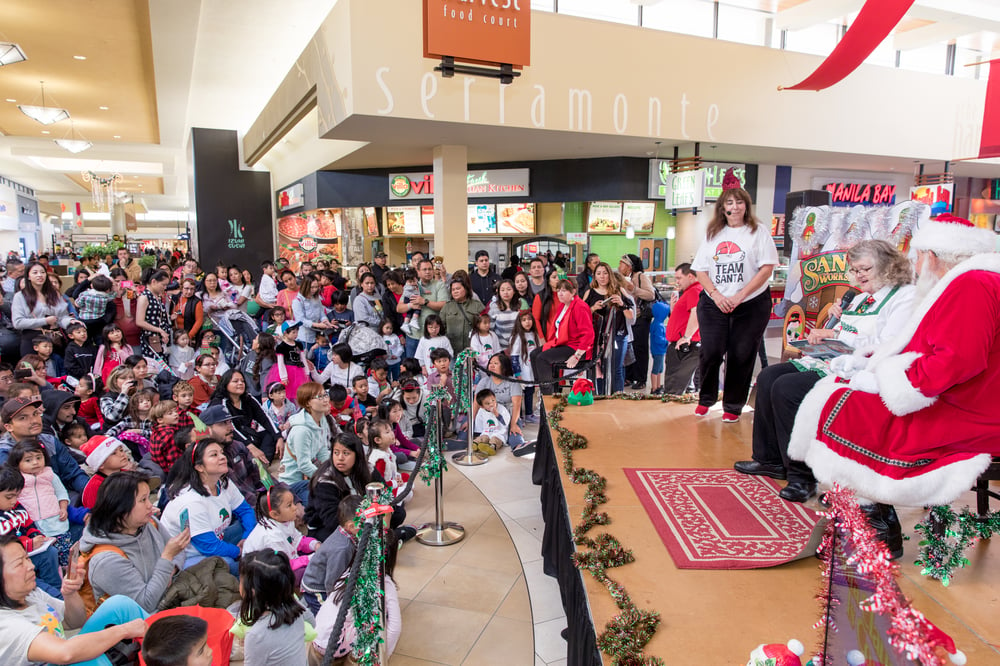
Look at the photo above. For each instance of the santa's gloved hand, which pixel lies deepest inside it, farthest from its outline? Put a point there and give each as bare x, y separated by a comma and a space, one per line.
864, 380
848, 365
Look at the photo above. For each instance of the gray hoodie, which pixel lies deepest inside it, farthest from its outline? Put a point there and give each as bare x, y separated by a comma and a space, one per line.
144, 576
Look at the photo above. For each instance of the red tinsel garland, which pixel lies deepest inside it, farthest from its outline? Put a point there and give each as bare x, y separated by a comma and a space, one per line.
910, 632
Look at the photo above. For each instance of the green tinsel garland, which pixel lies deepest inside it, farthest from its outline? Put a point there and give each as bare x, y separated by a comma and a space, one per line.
434, 464
463, 388
366, 604
942, 551
627, 633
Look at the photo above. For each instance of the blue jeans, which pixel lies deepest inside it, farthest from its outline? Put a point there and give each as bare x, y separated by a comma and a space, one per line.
232, 535
301, 491
411, 346
114, 611
617, 366
47, 571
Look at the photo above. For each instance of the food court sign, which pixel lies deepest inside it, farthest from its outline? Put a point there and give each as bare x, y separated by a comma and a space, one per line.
489, 32
479, 184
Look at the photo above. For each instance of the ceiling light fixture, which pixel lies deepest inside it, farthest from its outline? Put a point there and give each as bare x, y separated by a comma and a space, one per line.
11, 53
46, 115
103, 108
11, 100
79, 57
73, 144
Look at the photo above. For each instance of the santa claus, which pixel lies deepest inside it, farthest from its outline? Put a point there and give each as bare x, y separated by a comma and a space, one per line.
919, 423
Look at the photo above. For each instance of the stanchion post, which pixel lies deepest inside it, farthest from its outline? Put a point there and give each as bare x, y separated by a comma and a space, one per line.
470, 457
374, 492
439, 533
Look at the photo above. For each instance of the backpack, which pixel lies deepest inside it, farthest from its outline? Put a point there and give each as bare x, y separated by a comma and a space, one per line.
90, 603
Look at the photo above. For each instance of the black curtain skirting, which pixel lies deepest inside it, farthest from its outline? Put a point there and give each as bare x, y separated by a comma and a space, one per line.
557, 549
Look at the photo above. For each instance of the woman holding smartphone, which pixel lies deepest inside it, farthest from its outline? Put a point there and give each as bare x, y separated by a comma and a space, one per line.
608, 300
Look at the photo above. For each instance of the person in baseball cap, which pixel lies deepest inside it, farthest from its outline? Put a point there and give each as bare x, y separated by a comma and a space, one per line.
12, 408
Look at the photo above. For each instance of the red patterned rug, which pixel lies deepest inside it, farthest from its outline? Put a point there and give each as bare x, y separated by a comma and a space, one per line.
721, 519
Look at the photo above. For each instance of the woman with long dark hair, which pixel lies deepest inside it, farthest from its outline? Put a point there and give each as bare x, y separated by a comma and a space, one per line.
546, 306
188, 310
151, 315
204, 496
734, 264
638, 286
38, 308
252, 425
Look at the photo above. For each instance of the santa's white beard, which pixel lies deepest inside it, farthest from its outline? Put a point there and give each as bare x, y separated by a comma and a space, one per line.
926, 282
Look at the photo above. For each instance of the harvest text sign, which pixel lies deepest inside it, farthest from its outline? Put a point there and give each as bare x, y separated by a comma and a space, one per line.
491, 32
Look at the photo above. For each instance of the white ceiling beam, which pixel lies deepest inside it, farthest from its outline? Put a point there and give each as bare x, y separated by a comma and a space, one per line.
814, 12
941, 31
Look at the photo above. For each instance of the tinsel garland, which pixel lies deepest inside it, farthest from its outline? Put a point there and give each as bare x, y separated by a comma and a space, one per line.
942, 550
366, 602
434, 464
909, 628
626, 634
463, 387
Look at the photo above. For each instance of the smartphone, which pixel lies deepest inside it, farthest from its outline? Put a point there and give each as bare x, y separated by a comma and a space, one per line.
26, 365
127, 284
185, 519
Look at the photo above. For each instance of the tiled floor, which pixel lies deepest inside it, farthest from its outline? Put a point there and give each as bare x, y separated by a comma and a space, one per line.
469, 604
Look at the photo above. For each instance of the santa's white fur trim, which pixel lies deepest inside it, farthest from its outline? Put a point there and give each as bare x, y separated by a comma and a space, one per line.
895, 389
807, 417
942, 485
981, 262
952, 238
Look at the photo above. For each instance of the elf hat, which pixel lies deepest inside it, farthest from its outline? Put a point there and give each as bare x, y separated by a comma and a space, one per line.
98, 449
947, 234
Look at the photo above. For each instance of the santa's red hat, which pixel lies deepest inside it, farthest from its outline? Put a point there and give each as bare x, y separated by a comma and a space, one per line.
777, 654
730, 181
947, 234
98, 449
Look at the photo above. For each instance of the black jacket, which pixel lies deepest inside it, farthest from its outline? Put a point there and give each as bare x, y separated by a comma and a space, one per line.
483, 286
78, 360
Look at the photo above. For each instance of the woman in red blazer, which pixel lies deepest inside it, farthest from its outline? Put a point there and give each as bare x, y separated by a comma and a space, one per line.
569, 340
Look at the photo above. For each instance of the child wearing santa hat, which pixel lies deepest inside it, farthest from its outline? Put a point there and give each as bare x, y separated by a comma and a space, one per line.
105, 455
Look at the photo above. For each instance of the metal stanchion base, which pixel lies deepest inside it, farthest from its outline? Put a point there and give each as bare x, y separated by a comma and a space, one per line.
446, 534
467, 459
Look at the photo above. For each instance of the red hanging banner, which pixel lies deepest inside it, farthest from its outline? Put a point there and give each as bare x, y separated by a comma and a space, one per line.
874, 23
989, 144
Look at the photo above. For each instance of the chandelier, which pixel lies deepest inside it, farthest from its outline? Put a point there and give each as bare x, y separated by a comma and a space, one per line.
46, 115
102, 189
73, 144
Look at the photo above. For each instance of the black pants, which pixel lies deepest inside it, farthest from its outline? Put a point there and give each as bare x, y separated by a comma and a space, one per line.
736, 337
542, 361
679, 368
639, 371
780, 390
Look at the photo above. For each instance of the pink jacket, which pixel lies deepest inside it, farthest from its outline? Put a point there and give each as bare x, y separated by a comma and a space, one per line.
39, 495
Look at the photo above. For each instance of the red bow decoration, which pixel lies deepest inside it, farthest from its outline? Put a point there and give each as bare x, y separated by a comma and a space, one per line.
376, 510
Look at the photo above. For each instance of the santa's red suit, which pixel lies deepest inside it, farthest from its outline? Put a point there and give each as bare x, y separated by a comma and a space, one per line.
932, 426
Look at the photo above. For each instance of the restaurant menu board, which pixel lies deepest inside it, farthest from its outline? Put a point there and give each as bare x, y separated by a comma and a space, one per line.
403, 220
604, 217
639, 215
516, 218
309, 235
482, 219
427, 218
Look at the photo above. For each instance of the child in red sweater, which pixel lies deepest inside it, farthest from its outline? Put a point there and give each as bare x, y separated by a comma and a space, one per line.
162, 449
90, 409
105, 455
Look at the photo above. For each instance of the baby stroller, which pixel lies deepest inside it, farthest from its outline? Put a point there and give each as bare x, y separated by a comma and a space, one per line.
364, 341
238, 330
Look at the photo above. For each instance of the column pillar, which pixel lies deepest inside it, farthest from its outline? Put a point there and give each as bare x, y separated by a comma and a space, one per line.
118, 219
451, 226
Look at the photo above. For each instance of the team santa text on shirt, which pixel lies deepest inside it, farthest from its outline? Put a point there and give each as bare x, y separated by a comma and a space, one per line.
728, 273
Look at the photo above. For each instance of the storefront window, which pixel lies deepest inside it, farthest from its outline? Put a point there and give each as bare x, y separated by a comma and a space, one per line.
931, 59
690, 17
746, 26
817, 39
617, 11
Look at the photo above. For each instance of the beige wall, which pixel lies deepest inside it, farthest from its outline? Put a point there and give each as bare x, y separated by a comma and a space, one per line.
603, 78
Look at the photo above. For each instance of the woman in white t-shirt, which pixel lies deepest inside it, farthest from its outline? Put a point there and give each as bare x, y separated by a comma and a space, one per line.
734, 265
33, 623
243, 291
213, 507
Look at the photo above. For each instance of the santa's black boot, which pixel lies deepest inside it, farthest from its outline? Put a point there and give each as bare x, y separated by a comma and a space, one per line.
883, 519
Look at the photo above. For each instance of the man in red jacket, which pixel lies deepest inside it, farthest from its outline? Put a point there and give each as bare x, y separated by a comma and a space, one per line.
569, 340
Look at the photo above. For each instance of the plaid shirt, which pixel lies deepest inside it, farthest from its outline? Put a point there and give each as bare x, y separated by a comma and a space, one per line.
91, 304
161, 447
